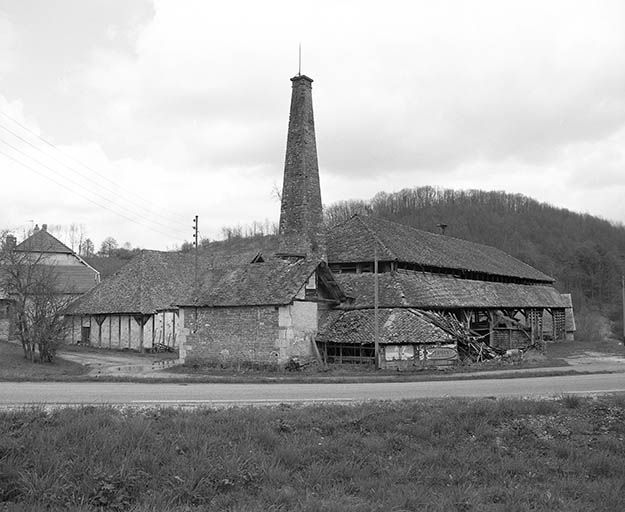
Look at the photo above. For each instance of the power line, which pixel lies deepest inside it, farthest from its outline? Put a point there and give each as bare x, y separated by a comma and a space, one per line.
169, 235
133, 197
116, 191
105, 198
121, 205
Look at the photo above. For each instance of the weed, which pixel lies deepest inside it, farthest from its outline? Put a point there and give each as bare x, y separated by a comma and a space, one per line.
570, 401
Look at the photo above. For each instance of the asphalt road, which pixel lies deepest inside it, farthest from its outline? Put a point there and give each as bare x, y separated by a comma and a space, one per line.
28, 393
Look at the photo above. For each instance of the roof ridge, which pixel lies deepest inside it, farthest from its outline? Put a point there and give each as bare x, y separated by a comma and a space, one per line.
37, 235
447, 239
374, 234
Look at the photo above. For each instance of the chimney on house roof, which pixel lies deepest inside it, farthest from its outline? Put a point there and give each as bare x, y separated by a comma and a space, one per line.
10, 242
301, 213
44, 227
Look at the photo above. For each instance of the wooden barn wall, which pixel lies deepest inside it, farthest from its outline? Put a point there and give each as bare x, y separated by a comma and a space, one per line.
124, 331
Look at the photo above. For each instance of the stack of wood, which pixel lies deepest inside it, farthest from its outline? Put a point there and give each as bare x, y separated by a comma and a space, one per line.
470, 344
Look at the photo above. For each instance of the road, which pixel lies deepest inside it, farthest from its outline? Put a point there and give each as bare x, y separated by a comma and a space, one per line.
25, 393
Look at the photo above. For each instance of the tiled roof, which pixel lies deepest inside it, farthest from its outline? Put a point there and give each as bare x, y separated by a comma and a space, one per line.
42, 241
355, 239
273, 281
106, 265
75, 279
434, 291
151, 280
159, 280
396, 326
239, 251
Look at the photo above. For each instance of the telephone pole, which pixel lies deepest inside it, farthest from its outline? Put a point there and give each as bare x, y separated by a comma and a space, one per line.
376, 328
195, 247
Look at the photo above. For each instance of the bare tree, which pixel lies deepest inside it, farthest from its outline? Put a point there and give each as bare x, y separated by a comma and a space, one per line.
39, 299
86, 248
108, 246
74, 234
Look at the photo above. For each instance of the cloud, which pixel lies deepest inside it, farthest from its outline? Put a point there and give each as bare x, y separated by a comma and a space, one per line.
7, 41
188, 107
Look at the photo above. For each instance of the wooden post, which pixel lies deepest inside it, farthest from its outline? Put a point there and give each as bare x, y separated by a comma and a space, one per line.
141, 333
623, 302
164, 329
375, 308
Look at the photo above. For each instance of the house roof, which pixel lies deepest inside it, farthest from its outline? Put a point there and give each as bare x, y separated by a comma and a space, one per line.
42, 241
397, 326
160, 280
437, 291
273, 281
356, 240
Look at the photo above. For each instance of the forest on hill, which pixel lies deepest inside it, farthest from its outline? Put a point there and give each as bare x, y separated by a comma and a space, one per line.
585, 254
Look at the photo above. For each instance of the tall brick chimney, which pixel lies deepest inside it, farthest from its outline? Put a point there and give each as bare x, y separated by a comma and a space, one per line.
301, 213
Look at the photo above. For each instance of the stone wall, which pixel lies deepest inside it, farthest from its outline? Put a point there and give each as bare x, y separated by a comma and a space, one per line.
255, 334
297, 329
230, 335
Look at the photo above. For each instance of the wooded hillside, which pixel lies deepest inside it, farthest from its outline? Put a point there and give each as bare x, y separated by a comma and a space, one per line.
585, 254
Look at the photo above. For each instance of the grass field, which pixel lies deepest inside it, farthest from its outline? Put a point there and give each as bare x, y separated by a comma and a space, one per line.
437, 455
13, 366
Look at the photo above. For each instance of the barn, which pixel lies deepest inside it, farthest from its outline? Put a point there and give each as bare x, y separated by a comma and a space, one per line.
490, 292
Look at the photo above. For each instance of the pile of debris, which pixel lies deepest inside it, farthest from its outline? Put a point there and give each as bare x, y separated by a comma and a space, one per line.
470, 344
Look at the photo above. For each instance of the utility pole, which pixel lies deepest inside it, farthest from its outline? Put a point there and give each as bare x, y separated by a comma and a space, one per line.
195, 247
376, 341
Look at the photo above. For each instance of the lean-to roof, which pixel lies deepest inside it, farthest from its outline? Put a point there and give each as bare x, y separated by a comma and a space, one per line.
356, 239
397, 326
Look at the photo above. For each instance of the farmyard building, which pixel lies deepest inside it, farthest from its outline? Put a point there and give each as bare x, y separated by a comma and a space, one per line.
310, 293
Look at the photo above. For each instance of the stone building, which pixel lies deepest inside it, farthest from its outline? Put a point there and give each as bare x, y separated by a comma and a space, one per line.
308, 292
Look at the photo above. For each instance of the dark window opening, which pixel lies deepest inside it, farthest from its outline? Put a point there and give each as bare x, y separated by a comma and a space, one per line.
338, 353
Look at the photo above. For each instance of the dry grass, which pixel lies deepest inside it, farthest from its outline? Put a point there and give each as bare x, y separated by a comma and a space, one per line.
458, 455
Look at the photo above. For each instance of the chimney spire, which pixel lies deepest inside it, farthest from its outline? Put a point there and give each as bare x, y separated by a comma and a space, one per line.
301, 214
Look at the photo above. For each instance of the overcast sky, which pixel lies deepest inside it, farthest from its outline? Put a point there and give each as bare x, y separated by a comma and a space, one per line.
131, 117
